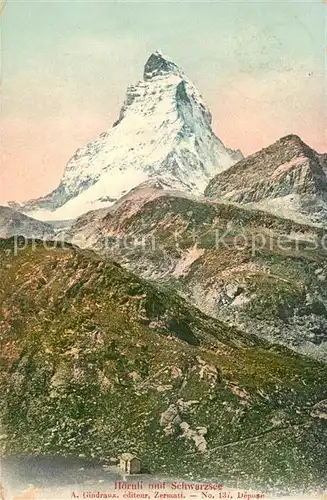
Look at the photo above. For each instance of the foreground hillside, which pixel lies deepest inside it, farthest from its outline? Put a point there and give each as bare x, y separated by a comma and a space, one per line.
95, 361
263, 273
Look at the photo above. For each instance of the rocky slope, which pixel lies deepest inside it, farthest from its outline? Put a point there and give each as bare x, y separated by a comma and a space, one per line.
287, 178
261, 272
163, 131
13, 223
80, 375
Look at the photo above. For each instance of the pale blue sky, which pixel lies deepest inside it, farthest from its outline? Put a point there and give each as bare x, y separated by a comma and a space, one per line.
66, 65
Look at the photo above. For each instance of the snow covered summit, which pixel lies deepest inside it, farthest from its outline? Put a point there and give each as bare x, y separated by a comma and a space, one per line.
163, 131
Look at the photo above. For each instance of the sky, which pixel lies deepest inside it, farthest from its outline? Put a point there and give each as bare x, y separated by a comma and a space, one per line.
65, 66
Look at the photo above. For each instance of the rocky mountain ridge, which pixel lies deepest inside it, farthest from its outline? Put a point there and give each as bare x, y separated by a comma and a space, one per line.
163, 131
287, 178
262, 273
13, 222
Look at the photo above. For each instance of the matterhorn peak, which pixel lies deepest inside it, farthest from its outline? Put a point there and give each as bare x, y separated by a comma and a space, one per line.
159, 65
163, 132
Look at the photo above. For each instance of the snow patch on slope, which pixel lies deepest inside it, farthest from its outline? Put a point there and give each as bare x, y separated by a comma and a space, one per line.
300, 161
289, 207
184, 264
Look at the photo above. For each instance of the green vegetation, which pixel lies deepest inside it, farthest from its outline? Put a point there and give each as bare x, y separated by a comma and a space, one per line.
91, 356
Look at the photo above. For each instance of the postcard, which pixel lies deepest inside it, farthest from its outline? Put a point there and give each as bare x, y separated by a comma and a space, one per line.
163, 276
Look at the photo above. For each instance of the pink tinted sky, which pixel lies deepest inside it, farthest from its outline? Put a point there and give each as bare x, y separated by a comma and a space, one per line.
64, 85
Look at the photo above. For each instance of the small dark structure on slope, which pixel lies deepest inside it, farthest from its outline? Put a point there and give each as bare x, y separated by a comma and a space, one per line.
129, 463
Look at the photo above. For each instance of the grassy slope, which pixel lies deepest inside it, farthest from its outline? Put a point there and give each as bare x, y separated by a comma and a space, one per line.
91, 356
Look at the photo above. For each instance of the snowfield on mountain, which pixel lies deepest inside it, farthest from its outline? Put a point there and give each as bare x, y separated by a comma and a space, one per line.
163, 132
